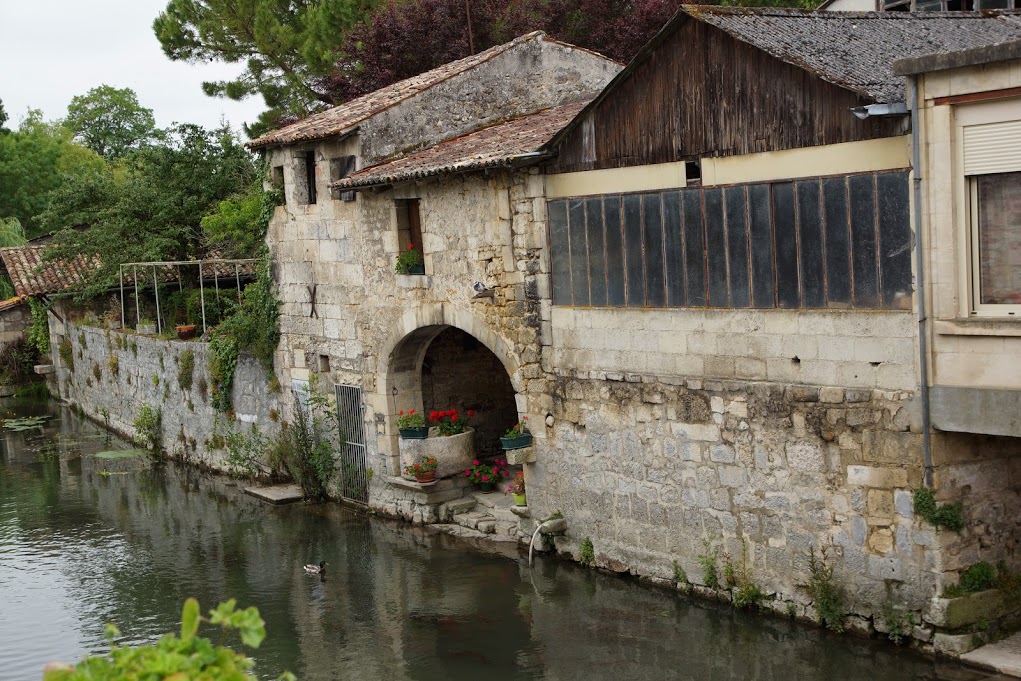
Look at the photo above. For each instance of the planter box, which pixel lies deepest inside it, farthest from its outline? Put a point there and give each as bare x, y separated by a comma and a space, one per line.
519, 442
516, 457
414, 433
453, 454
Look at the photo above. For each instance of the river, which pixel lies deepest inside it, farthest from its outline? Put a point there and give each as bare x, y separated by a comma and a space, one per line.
86, 539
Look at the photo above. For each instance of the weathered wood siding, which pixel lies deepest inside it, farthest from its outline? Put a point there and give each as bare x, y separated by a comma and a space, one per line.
704, 93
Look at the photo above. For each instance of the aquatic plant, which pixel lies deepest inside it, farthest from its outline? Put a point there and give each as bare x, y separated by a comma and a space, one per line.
26, 423
187, 656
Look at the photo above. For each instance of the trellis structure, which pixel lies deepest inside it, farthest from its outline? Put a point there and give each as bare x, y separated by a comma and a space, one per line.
170, 270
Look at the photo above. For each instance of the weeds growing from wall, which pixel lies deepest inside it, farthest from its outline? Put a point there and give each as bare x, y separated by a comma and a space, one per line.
115, 365
937, 515
66, 353
186, 370
244, 450
97, 371
708, 562
586, 552
827, 595
149, 428
896, 622
308, 447
17, 361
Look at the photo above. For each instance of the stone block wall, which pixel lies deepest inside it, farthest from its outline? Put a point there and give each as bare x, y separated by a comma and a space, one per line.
651, 470
13, 322
115, 372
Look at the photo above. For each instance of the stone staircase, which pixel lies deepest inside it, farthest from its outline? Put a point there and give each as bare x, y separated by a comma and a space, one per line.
486, 514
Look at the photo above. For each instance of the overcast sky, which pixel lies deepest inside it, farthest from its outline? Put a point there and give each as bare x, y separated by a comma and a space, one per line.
52, 50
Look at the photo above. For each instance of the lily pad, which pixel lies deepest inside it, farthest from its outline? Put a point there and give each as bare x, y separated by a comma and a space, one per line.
26, 423
121, 453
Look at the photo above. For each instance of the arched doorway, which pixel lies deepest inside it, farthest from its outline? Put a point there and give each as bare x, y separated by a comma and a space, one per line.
459, 372
439, 367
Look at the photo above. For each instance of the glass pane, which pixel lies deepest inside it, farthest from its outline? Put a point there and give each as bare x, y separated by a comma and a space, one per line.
999, 238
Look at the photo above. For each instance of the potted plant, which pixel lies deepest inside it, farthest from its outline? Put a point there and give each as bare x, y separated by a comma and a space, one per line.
485, 476
449, 422
411, 426
518, 436
410, 262
424, 471
185, 331
517, 489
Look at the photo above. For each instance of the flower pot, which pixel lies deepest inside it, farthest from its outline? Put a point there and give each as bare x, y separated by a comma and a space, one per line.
417, 269
519, 499
428, 476
519, 442
419, 433
485, 487
185, 331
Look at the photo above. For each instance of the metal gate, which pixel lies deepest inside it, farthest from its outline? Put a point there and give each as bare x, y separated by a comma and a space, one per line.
354, 481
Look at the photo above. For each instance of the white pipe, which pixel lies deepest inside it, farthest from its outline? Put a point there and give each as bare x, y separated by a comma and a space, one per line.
531, 544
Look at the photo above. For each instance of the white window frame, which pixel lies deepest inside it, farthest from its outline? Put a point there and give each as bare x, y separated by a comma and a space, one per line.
966, 116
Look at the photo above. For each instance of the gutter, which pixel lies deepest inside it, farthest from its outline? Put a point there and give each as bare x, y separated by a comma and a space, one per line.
923, 346
892, 109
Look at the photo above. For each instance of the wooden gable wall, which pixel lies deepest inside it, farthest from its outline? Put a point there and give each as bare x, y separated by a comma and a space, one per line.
703, 93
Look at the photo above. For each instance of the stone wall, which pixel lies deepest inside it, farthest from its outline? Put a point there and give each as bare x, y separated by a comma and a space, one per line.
114, 373
13, 322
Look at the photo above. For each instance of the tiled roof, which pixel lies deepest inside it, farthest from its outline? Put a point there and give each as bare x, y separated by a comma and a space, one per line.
493, 146
33, 276
342, 118
856, 50
12, 303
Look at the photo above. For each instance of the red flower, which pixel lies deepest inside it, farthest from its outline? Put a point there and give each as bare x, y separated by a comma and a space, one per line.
471, 413
454, 418
452, 412
402, 412
505, 473
485, 478
475, 462
412, 411
411, 247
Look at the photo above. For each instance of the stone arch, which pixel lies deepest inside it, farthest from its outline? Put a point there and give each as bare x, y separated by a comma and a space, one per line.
400, 362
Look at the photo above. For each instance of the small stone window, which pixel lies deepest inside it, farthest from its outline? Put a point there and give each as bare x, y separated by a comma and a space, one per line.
324, 364
310, 175
409, 224
341, 167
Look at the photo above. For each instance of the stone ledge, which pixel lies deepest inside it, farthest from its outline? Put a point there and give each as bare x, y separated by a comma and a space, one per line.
957, 613
516, 457
414, 281
44, 369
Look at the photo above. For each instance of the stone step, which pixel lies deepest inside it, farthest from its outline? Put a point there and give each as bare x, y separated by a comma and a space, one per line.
487, 525
493, 500
461, 505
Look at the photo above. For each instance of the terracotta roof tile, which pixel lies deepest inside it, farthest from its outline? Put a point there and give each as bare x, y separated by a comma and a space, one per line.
493, 146
34, 276
342, 118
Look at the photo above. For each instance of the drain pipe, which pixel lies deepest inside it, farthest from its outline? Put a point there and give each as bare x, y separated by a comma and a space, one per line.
923, 353
554, 525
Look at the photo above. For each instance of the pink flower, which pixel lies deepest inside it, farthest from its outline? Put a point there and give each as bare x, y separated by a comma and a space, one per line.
475, 462
467, 472
485, 478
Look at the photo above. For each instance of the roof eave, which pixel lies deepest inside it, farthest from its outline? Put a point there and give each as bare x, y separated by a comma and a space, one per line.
515, 162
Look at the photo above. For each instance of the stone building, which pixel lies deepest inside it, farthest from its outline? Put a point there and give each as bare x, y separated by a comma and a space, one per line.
698, 283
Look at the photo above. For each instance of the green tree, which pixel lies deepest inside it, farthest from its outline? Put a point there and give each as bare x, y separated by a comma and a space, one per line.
285, 45
154, 211
3, 117
35, 159
110, 121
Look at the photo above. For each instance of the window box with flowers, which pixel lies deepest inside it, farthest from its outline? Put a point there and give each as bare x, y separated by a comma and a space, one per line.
517, 437
451, 442
486, 476
411, 426
424, 471
517, 489
410, 261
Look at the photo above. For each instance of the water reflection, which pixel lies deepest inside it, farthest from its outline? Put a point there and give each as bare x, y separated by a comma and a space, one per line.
87, 540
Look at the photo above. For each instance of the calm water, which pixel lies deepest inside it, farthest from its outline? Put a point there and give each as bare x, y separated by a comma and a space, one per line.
87, 540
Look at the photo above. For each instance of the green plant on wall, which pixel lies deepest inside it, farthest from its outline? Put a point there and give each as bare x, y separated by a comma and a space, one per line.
244, 450
39, 330
186, 370
587, 552
149, 427
308, 446
826, 593
707, 561
937, 515
252, 325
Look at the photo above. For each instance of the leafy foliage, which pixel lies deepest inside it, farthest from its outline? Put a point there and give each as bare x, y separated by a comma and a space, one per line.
38, 333
154, 211
825, 592
244, 450
937, 515
978, 577
707, 561
11, 232
586, 552
252, 325
110, 121
149, 427
36, 160
17, 359
186, 370
283, 45
238, 227
187, 656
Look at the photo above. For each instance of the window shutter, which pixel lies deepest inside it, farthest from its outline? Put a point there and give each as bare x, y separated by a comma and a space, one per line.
992, 148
